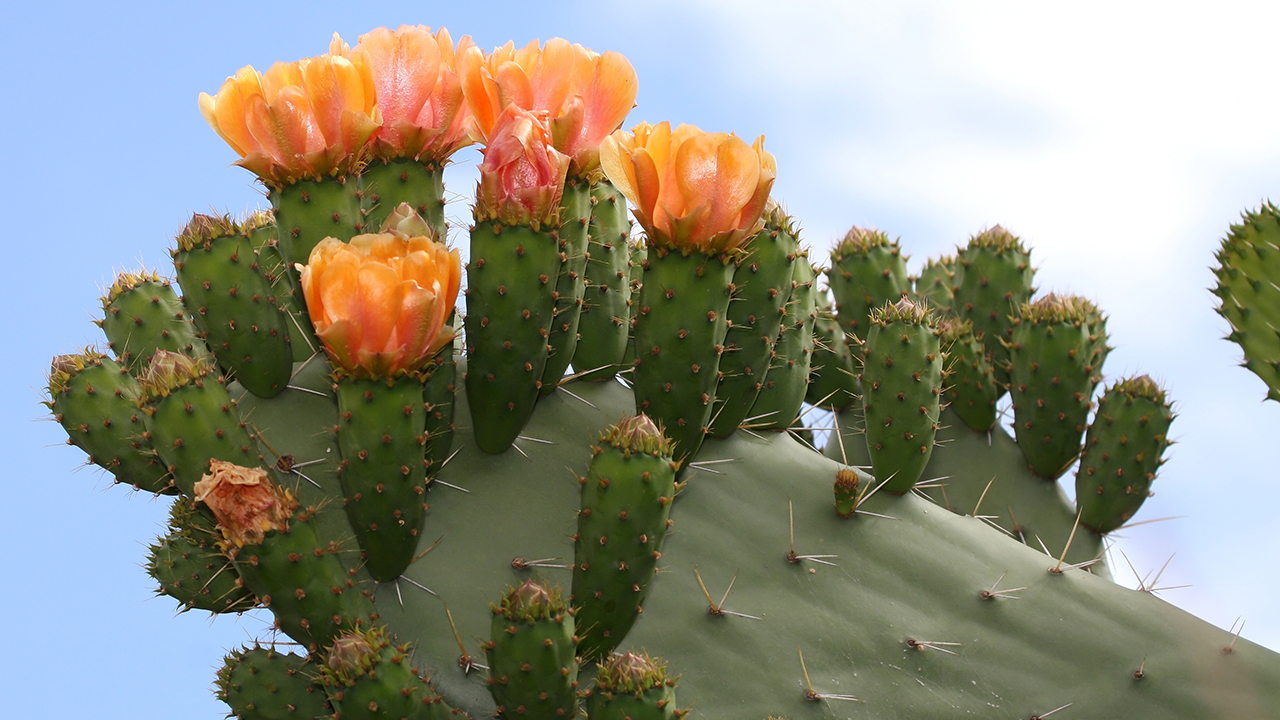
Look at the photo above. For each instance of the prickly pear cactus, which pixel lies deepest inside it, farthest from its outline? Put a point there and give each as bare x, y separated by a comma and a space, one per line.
769, 579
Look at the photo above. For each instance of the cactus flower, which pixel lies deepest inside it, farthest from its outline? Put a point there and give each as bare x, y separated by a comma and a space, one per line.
691, 190
586, 95
424, 115
522, 175
305, 119
245, 502
379, 303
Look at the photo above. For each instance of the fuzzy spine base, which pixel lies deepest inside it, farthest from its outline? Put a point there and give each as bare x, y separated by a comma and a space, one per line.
510, 307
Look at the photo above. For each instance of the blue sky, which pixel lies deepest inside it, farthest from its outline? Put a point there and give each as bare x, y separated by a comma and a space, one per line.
1119, 142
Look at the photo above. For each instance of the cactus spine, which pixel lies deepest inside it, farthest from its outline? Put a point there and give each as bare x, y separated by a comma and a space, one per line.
623, 521
778, 404
605, 321
575, 216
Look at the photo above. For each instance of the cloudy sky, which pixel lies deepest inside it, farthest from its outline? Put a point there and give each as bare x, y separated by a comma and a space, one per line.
1118, 140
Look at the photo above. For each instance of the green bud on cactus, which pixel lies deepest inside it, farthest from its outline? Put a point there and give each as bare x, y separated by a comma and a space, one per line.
971, 390
847, 492
1051, 380
1123, 451
96, 402
635, 686
533, 668
867, 270
368, 677
902, 382
263, 684
1248, 272
142, 314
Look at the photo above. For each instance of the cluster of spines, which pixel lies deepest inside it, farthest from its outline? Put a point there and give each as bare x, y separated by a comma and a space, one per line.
634, 686
532, 653
1123, 451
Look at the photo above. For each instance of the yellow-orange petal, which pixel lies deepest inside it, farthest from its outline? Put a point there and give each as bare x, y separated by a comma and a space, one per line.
736, 179
380, 299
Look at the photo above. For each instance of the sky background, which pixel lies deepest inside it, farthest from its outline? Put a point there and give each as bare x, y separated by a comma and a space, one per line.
1118, 140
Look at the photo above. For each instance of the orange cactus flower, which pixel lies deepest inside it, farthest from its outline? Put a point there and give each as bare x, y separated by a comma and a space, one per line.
245, 502
691, 190
521, 175
424, 115
305, 119
379, 303
586, 95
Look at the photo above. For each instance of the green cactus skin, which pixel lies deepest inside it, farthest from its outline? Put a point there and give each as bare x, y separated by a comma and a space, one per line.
386, 184
1051, 378
438, 393
1122, 453
369, 678
191, 568
298, 576
383, 473
867, 270
510, 308
833, 377
902, 387
1248, 269
762, 283
847, 491
625, 513
96, 402
604, 323
785, 386
142, 314
680, 331
233, 304
993, 282
575, 218
262, 684
937, 282
309, 211
260, 225
633, 686
635, 281
533, 668
971, 390
191, 419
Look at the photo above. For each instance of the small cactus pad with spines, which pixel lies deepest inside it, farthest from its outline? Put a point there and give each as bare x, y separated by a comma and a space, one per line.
848, 490
1248, 291
384, 184
261, 683
233, 304
867, 270
778, 404
191, 419
936, 283
368, 677
142, 314
575, 216
680, 332
902, 382
260, 226
1122, 453
971, 389
309, 211
1051, 379
510, 307
626, 506
762, 287
993, 280
633, 686
605, 323
191, 568
381, 439
533, 668
439, 393
96, 402
833, 378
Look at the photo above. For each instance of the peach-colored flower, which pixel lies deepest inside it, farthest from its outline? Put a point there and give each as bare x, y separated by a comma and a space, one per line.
379, 303
522, 175
424, 115
586, 95
245, 502
691, 190
304, 119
